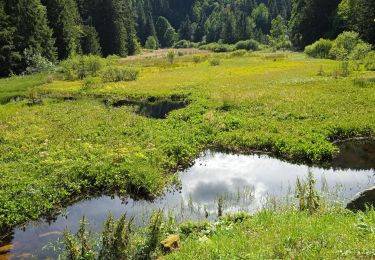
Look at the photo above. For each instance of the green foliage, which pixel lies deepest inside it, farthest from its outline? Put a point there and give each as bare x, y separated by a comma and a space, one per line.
89, 83
215, 62
79, 246
79, 67
320, 49
26, 28
184, 44
64, 19
115, 24
116, 74
344, 44
151, 43
249, 45
261, 17
217, 47
287, 234
358, 15
171, 56
369, 61
197, 59
36, 63
165, 32
90, 41
360, 51
52, 153
239, 53
279, 38
312, 20
116, 239
307, 195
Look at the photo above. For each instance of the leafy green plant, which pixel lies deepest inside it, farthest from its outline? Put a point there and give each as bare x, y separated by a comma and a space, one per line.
116, 239
171, 56
369, 61
307, 195
80, 245
36, 63
197, 59
249, 45
238, 53
320, 49
151, 43
117, 74
215, 62
217, 47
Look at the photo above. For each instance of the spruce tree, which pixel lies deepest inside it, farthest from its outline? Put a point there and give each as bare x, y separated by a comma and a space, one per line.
90, 41
9, 56
28, 19
65, 21
186, 30
165, 32
312, 20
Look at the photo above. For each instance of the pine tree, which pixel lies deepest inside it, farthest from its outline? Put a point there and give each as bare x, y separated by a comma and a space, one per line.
186, 30
359, 16
312, 20
29, 24
64, 19
165, 32
90, 41
8, 54
114, 22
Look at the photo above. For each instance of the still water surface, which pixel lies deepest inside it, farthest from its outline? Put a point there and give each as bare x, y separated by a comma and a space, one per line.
247, 183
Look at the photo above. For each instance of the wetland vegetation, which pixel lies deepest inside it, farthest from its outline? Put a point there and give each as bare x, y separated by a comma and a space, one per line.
211, 129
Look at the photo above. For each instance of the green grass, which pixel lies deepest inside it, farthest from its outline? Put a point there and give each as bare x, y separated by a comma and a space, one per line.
19, 86
60, 150
330, 234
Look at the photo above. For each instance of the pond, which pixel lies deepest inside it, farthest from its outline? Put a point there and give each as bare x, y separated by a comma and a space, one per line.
245, 182
158, 109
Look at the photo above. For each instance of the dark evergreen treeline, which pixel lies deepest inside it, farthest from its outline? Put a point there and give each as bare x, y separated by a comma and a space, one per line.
57, 29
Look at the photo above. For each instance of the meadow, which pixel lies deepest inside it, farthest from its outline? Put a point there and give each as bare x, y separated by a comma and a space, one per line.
61, 140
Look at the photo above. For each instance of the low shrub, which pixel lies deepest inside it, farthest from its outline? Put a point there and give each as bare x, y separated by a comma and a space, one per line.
369, 61
239, 53
344, 44
343, 70
364, 82
249, 45
36, 63
89, 83
320, 49
79, 67
184, 44
151, 43
171, 55
360, 51
215, 62
116, 74
197, 59
217, 47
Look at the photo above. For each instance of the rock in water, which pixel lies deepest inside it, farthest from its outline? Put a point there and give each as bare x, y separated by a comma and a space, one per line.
362, 199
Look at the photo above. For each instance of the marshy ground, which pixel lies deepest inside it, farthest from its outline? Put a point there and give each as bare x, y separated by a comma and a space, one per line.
59, 139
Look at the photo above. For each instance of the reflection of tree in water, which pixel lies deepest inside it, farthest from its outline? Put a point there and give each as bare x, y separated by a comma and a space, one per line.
355, 155
5, 241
